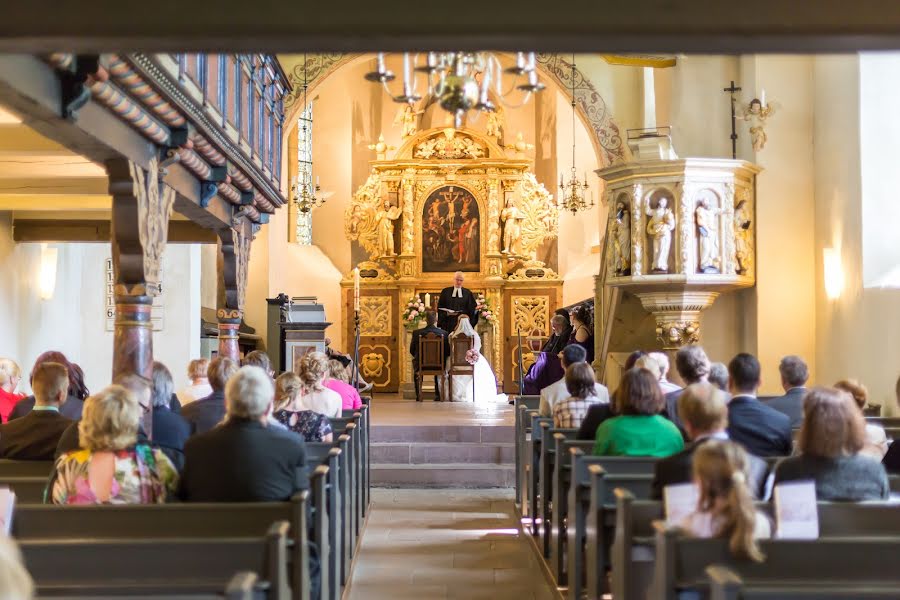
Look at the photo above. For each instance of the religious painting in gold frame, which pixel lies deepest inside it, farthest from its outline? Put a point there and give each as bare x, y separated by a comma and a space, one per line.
451, 231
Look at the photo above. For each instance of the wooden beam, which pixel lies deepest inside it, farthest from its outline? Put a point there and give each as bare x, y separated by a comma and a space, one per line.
670, 26
180, 232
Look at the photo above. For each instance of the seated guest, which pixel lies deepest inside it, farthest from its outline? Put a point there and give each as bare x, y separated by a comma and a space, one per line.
638, 430
662, 359
692, 365
10, 376
15, 581
347, 361
831, 436
206, 413
547, 368
260, 359
876, 439
112, 468
289, 411
337, 382
316, 397
718, 376
649, 363
71, 408
199, 387
760, 429
704, 413
170, 431
794, 374
583, 330
35, 436
580, 384
632, 359
244, 460
550, 395
725, 508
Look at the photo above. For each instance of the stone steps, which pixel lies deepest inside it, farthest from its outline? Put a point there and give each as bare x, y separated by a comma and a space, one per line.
453, 456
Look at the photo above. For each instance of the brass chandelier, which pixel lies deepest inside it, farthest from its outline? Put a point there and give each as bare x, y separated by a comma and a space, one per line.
306, 196
572, 197
460, 81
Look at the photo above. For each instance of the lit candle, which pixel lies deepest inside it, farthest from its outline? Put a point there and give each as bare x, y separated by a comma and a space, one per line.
407, 83
427, 300
356, 289
762, 98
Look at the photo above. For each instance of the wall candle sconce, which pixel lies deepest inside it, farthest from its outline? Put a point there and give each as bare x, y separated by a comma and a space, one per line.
833, 272
47, 272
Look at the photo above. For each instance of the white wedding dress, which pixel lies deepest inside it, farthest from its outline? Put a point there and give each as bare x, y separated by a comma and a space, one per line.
485, 388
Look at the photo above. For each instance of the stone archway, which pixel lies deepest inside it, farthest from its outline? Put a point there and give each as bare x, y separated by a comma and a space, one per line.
592, 109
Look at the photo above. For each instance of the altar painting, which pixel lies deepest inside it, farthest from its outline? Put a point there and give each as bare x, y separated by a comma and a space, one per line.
451, 231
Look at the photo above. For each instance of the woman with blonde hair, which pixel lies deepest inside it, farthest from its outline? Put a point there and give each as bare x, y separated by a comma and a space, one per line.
315, 396
200, 387
289, 411
876, 444
10, 376
338, 381
725, 508
831, 437
111, 467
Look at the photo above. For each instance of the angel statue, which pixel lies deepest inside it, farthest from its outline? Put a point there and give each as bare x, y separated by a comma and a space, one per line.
494, 127
385, 226
708, 233
621, 262
512, 230
756, 114
408, 118
660, 227
743, 236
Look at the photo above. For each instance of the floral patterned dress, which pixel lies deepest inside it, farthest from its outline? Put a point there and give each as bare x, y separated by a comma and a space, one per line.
312, 426
142, 475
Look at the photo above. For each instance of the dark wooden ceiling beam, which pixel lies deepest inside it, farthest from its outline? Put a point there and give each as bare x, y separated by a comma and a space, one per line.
710, 26
54, 231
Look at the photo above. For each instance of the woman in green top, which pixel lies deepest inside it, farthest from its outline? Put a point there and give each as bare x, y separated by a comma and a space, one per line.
639, 430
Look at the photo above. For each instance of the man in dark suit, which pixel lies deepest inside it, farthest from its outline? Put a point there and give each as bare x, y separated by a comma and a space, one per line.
760, 429
692, 365
170, 431
704, 413
454, 301
244, 459
430, 327
35, 435
204, 414
794, 374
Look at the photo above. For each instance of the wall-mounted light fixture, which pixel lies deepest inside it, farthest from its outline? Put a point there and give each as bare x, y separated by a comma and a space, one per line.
834, 272
47, 274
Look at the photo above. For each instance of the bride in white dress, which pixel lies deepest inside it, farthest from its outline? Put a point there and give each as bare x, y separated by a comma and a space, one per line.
485, 382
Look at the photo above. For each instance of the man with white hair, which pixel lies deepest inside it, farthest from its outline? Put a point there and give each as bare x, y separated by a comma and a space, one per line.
244, 459
454, 301
662, 359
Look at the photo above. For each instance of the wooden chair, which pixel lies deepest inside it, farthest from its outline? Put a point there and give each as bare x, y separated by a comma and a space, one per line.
430, 359
459, 347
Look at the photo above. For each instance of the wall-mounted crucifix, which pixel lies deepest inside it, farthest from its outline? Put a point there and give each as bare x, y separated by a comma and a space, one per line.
731, 90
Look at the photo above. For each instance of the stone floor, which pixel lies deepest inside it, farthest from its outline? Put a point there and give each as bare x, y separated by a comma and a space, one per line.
445, 544
394, 410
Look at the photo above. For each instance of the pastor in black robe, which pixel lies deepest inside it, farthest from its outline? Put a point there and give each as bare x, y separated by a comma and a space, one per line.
465, 305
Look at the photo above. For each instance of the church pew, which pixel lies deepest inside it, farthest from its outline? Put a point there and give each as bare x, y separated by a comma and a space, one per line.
884, 421
27, 489
801, 565
526, 470
584, 473
331, 456
633, 554
534, 466
242, 586
351, 426
25, 468
545, 478
364, 448
725, 584
522, 404
563, 446
156, 566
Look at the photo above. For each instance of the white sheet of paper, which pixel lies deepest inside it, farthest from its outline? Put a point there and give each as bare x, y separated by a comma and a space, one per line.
679, 501
7, 505
796, 513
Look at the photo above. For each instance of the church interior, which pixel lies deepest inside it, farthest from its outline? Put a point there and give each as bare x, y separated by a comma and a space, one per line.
407, 301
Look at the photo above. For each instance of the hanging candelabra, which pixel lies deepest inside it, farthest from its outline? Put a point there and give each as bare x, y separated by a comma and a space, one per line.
461, 81
574, 194
304, 194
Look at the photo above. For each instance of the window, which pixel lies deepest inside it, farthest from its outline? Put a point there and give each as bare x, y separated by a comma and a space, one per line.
304, 172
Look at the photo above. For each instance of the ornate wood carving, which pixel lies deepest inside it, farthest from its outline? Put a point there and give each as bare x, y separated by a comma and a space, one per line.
232, 266
375, 315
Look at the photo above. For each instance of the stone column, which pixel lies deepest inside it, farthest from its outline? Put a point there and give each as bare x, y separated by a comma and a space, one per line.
232, 264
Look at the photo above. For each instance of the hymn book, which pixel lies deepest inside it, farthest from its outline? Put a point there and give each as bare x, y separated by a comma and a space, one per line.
679, 501
796, 512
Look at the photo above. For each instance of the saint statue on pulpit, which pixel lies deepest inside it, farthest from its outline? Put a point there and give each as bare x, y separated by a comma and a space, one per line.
385, 225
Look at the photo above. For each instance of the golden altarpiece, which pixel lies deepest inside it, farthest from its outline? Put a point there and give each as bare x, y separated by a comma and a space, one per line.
449, 200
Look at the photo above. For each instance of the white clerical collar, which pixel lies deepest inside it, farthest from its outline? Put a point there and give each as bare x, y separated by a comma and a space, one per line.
457, 292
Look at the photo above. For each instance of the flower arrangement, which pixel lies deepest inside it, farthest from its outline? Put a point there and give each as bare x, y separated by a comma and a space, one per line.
484, 310
414, 313
472, 356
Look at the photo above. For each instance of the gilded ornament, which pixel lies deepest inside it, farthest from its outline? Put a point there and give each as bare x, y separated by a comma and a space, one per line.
675, 334
375, 315
449, 144
540, 216
373, 365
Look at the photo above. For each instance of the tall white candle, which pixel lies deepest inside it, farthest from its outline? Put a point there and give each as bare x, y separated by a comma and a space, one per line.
356, 289
427, 300
762, 98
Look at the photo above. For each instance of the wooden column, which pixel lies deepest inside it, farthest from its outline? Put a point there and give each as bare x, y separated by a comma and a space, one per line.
232, 263
141, 207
